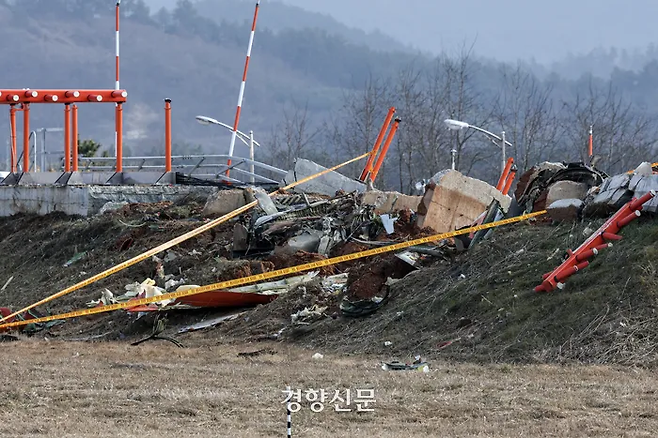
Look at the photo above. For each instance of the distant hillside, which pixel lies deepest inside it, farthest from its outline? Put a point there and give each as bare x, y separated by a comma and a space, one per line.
182, 55
201, 77
278, 16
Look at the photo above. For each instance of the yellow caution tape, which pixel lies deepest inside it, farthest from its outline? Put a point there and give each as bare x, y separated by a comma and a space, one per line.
173, 242
272, 274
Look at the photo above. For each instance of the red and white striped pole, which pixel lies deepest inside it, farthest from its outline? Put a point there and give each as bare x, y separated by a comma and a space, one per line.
242, 87
118, 114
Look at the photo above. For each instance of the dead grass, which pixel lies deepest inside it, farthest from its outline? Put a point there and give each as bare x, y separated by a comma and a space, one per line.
157, 390
483, 302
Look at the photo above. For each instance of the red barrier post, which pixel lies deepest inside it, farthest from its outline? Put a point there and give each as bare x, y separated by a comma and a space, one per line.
14, 157
510, 180
503, 176
371, 159
168, 135
119, 116
74, 136
387, 144
67, 138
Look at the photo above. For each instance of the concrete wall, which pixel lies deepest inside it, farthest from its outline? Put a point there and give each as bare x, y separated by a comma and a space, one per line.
87, 200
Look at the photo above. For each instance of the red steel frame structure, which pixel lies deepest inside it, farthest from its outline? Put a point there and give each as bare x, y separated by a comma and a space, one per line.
67, 97
601, 239
25, 97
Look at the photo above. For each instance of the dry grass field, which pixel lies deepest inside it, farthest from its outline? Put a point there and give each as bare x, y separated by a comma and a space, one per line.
76, 389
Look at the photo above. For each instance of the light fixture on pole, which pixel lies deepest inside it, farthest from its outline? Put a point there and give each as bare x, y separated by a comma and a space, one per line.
248, 140
457, 125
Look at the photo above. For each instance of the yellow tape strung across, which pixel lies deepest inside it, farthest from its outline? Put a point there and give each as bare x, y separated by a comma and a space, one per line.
273, 274
173, 242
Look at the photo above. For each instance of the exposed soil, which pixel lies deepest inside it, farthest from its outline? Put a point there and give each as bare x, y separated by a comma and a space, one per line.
283, 259
475, 307
366, 279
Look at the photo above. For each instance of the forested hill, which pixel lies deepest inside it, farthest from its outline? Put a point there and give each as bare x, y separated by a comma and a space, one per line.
181, 54
313, 93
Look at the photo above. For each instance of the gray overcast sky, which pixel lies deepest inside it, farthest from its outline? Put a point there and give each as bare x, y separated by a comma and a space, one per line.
505, 29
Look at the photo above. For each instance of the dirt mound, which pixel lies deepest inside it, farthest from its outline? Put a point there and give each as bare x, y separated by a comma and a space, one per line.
477, 306
481, 307
45, 254
367, 278
275, 320
281, 260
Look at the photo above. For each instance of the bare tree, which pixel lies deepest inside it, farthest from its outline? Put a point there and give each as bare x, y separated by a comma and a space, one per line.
293, 137
623, 134
524, 110
354, 129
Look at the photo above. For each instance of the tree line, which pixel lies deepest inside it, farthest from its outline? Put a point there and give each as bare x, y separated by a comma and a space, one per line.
545, 117
544, 120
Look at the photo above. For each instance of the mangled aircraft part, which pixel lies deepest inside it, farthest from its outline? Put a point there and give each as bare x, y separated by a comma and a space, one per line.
328, 184
417, 365
210, 322
273, 274
173, 242
533, 192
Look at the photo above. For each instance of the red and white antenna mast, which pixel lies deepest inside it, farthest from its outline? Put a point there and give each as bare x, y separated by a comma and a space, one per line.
234, 135
117, 86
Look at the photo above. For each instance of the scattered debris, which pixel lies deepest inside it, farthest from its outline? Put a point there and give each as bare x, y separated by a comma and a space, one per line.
210, 323
158, 328
416, 365
7, 283
76, 258
307, 315
257, 353
112, 206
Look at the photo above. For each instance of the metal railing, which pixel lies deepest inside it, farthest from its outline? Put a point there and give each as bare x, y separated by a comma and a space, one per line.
199, 166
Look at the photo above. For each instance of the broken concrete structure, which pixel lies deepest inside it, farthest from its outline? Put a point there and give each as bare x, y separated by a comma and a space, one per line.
566, 190
225, 201
453, 201
327, 184
565, 210
87, 200
390, 202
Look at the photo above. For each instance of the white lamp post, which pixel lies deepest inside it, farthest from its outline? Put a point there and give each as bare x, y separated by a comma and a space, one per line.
248, 140
457, 125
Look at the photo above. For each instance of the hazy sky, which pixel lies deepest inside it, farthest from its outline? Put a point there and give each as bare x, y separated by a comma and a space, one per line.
502, 29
